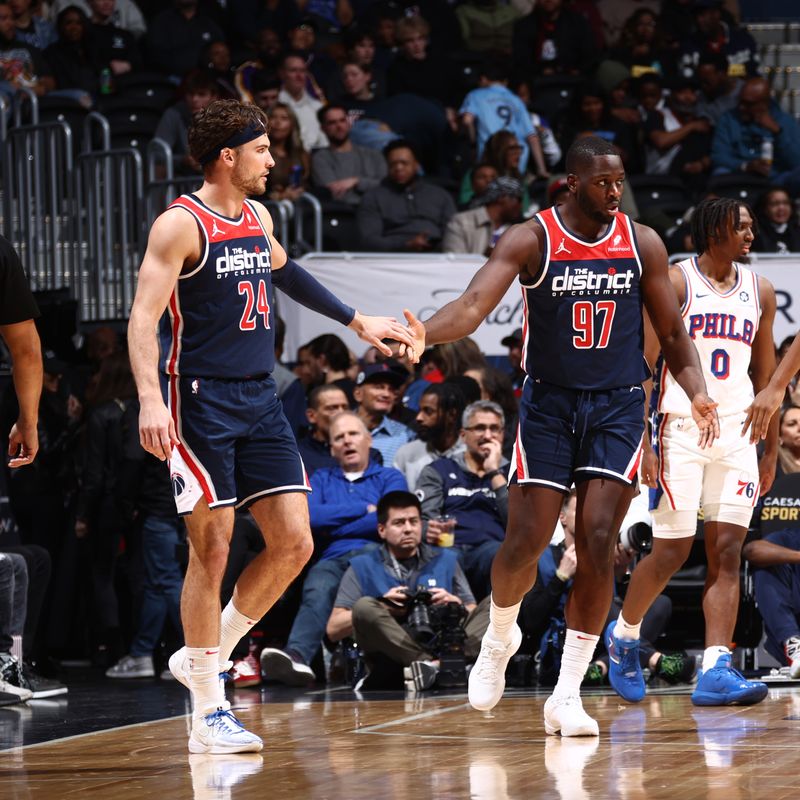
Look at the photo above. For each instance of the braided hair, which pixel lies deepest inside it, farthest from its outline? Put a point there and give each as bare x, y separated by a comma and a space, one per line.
713, 217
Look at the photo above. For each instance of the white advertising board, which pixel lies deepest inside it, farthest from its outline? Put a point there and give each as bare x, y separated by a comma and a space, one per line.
386, 283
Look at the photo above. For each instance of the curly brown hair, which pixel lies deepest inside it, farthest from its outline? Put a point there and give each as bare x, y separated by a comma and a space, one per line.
220, 120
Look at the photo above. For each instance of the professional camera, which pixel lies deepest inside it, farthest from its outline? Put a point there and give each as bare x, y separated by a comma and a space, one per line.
448, 621
638, 538
440, 630
418, 622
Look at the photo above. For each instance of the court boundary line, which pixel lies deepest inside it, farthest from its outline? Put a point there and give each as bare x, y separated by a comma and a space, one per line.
92, 733
434, 712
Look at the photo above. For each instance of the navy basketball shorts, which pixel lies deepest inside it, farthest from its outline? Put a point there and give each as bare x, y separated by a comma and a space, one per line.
235, 443
569, 435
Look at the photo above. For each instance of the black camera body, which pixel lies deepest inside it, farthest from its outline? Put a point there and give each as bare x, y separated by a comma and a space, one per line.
638, 538
440, 630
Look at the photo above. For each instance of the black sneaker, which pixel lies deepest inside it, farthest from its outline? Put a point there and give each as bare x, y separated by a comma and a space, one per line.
38, 685
676, 668
285, 667
420, 675
11, 680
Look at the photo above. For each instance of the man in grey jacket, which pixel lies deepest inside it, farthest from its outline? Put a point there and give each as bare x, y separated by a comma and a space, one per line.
344, 168
478, 229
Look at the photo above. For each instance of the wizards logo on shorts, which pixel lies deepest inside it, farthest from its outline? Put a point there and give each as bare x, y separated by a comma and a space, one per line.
178, 483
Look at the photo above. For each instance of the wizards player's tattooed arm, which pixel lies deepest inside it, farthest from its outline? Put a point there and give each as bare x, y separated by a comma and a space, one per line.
174, 241
516, 255
659, 296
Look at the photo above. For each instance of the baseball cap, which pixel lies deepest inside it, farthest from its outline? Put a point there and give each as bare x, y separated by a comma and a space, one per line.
513, 338
501, 187
380, 373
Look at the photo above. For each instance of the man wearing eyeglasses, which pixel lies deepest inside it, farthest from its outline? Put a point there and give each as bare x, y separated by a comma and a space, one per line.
472, 487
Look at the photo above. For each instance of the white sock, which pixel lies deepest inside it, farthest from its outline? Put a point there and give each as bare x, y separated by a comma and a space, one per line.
711, 654
501, 621
578, 651
204, 683
16, 647
624, 630
234, 625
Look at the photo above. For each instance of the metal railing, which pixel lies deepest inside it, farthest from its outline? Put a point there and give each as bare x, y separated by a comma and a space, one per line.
39, 201
81, 222
111, 230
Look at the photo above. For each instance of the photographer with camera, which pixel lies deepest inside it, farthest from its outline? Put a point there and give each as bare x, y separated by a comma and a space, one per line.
542, 612
408, 605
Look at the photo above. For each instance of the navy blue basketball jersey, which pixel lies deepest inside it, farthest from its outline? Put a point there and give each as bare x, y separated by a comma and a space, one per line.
583, 313
218, 320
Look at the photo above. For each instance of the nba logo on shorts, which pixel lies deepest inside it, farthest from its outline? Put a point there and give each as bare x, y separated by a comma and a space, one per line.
178, 483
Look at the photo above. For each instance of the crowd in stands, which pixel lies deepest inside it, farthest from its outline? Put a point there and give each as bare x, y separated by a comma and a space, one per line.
409, 469
405, 114
435, 127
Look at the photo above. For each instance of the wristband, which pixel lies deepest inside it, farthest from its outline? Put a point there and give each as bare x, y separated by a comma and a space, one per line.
561, 576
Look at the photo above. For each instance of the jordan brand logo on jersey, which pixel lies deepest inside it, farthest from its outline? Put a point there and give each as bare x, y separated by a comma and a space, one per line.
562, 248
215, 231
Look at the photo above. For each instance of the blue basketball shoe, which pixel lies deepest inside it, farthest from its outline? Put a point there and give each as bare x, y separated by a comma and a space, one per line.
723, 685
624, 670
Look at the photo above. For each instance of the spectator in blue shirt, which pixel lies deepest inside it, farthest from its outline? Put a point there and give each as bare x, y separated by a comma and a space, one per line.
342, 508
494, 107
741, 135
376, 394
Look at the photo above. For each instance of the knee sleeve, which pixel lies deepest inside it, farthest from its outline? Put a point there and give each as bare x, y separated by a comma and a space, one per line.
728, 513
669, 524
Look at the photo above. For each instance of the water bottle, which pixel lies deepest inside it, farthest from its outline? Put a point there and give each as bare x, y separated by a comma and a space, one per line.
105, 81
295, 176
767, 150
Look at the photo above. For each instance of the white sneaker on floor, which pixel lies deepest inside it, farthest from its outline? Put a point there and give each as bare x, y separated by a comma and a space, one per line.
792, 650
132, 667
487, 678
220, 732
565, 714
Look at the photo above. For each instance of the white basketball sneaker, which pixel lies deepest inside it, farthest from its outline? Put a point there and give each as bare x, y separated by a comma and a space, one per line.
220, 732
487, 679
565, 713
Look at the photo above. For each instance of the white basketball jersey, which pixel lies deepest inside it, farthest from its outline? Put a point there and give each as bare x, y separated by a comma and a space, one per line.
722, 327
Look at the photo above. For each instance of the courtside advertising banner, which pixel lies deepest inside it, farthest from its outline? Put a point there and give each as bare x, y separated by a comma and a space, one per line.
386, 283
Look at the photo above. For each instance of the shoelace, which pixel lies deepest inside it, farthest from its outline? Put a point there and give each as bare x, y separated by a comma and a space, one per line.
488, 667
628, 659
225, 720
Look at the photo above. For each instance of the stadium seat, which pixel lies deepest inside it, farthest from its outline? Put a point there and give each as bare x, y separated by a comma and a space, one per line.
663, 192
552, 94
738, 186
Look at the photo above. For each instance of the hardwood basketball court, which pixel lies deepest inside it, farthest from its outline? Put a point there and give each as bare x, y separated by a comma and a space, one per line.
330, 744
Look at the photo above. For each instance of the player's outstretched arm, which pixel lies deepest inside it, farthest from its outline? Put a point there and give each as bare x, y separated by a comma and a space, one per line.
769, 399
515, 250
762, 366
26, 356
304, 288
662, 305
173, 238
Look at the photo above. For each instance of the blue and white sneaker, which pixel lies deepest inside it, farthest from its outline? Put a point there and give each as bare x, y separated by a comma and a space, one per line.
723, 685
220, 732
624, 669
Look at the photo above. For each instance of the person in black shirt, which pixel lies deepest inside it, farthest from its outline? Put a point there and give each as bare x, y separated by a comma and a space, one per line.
324, 403
71, 57
18, 309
